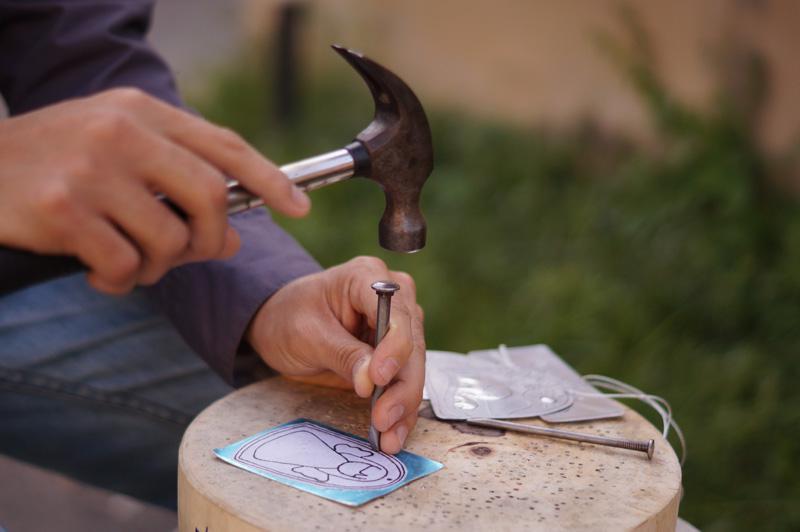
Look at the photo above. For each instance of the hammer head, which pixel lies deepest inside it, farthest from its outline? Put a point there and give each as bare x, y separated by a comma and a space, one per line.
396, 151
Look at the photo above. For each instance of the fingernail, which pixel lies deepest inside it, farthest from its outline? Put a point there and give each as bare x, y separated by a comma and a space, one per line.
361, 382
387, 369
402, 433
300, 198
395, 414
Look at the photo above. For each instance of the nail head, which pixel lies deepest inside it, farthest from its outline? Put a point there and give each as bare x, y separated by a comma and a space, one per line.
385, 287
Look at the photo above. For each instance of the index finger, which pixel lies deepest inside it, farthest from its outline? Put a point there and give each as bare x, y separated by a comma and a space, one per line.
229, 153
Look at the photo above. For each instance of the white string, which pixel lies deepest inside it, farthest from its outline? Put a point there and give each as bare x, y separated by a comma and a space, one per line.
626, 391
503, 351
621, 390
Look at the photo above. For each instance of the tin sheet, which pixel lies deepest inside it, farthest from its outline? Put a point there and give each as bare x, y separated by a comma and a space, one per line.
326, 462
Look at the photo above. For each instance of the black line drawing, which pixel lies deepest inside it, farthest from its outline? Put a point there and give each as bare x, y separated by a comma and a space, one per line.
309, 453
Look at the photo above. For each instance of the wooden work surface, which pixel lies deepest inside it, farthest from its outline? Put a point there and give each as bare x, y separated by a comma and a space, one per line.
491, 480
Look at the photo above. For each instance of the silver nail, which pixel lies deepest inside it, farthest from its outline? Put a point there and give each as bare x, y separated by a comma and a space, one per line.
644, 446
385, 291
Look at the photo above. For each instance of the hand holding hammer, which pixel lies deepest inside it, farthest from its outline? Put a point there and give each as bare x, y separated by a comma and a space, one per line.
395, 150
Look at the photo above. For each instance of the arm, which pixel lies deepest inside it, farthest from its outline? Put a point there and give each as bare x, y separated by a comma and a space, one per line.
55, 50
52, 50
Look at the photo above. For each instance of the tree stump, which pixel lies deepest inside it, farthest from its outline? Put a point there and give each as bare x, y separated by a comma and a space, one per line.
492, 480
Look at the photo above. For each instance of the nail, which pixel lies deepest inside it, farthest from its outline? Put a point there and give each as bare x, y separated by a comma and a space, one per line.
388, 369
300, 198
645, 446
395, 414
385, 290
402, 433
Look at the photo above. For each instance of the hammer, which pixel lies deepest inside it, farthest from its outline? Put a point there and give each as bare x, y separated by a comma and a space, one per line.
395, 150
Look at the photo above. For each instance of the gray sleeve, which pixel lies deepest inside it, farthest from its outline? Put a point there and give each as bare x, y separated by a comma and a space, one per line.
52, 50
212, 303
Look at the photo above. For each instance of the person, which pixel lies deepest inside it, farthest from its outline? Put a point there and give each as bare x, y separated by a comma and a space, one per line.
99, 373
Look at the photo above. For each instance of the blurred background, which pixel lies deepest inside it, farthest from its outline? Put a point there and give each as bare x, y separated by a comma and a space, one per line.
618, 180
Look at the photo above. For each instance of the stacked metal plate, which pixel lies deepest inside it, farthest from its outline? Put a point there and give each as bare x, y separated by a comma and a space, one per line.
510, 383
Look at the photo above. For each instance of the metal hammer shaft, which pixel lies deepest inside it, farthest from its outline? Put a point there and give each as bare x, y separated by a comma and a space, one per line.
308, 174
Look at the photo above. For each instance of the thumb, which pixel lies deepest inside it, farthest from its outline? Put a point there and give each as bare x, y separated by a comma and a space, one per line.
349, 358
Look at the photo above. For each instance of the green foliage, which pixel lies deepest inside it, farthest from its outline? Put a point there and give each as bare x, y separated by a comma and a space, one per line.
677, 271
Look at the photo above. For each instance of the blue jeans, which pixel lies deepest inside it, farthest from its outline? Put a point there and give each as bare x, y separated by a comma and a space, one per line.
98, 388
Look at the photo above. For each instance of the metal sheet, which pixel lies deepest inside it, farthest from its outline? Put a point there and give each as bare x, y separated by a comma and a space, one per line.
326, 462
509, 383
588, 403
464, 387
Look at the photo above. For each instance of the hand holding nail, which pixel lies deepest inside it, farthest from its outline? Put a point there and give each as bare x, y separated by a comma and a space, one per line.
313, 329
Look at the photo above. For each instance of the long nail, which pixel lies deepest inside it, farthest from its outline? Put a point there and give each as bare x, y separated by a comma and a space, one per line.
644, 446
385, 290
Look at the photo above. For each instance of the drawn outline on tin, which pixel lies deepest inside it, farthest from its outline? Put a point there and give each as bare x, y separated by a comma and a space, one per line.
343, 462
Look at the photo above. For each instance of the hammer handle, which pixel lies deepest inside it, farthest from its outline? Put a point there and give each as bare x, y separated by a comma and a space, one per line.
20, 268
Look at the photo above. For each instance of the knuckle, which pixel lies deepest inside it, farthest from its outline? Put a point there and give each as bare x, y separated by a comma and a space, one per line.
172, 241
108, 127
405, 279
55, 203
128, 96
366, 262
82, 168
217, 193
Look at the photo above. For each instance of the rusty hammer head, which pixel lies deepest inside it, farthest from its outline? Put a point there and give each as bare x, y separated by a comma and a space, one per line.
396, 151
